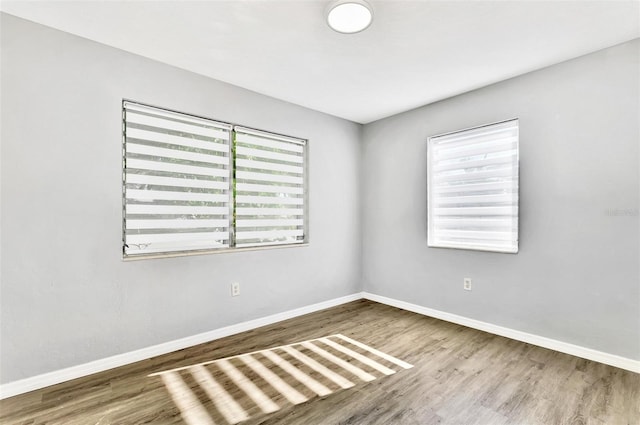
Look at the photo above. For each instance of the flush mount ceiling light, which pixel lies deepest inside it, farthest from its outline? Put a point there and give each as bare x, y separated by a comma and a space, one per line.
349, 16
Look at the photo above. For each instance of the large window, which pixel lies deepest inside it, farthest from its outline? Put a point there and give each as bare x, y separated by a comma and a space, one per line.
473, 188
193, 184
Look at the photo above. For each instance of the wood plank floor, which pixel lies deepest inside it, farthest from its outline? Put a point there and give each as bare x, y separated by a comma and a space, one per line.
460, 376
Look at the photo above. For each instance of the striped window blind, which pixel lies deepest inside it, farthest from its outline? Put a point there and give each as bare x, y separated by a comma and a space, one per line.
176, 182
194, 184
269, 189
473, 188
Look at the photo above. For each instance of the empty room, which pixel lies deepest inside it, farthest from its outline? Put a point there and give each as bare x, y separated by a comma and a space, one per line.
320, 212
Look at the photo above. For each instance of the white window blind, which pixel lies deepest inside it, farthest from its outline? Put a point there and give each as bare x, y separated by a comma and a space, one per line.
269, 189
473, 188
176, 182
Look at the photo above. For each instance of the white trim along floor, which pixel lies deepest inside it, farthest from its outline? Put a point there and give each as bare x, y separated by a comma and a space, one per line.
41, 381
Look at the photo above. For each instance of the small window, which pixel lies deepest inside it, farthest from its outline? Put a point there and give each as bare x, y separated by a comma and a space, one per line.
194, 184
473, 188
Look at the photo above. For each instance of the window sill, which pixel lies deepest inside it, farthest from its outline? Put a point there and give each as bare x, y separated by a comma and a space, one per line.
210, 251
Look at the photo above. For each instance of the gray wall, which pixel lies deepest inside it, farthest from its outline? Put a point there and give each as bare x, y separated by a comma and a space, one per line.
66, 295
576, 277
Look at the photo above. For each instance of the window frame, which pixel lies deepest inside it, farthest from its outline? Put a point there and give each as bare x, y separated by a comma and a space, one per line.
232, 197
470, 247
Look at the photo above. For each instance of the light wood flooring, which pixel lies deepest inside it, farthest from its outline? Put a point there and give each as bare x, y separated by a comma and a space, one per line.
460, 376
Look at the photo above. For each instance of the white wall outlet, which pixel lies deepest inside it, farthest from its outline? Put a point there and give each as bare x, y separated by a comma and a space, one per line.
235, 289
467, 283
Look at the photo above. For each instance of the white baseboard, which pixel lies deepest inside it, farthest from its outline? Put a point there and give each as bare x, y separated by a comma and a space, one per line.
563, 347
40, 381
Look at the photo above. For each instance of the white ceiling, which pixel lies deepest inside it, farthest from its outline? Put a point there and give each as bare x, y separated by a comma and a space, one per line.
414, 53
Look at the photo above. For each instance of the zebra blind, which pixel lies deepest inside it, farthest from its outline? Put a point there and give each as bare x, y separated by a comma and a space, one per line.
269, 189
176, 182
473, 188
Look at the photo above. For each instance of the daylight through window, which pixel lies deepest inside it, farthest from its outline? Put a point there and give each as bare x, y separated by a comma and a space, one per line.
194, 184
473, 188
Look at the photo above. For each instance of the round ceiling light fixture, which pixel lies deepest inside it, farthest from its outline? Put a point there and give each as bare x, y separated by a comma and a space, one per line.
349, 16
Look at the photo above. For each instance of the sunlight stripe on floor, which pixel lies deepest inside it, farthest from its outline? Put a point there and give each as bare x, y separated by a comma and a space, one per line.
272, 375
264, 403
359, 344
378, 353
365, 376
338, 379
225, 404
362, 359
191, 410
274, 380
302, 377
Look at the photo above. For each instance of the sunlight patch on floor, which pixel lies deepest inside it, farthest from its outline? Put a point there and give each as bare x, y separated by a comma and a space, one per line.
233, 389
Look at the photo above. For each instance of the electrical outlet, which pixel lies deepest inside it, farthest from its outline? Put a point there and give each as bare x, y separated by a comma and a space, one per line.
235, 289
467, 283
